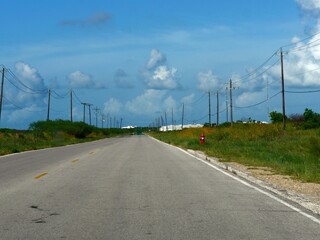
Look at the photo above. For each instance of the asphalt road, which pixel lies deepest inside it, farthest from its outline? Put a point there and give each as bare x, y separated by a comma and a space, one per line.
135, 188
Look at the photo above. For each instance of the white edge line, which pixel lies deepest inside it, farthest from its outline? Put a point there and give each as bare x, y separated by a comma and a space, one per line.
247, 184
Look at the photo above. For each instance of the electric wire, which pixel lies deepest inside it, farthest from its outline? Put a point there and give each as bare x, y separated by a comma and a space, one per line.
259, 103
24, 85
19, 107
310, 91
300, 41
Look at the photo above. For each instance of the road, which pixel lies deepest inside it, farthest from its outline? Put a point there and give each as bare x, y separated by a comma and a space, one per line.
135, 188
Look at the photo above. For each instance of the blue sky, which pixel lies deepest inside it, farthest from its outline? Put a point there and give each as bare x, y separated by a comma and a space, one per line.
136, 60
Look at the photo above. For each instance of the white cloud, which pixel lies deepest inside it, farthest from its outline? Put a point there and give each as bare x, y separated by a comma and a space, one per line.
248, 98
207, 81
79, 79
156, 58
157, 74
113, 106
28, 86
21, 115
188, 99
150, 102
163, 78
169, 103
309, 5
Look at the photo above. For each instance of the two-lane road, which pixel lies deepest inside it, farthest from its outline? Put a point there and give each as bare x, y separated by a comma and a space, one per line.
135, 188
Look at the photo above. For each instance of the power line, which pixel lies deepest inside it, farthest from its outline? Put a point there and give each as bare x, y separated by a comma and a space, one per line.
258, 68
310, 91
24, 85
259, 103
19, 107
302, 40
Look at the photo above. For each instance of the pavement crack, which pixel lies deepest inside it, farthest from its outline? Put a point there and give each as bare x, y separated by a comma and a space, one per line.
36, 207
39, 220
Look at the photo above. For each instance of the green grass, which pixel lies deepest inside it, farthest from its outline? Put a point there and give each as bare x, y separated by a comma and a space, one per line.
45, 134
292, 152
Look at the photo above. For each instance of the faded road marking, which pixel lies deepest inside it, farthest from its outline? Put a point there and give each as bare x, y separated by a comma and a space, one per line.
75, 160
41, 175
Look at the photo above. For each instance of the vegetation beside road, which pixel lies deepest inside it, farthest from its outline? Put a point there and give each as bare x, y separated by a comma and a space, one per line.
294, 152
44, 134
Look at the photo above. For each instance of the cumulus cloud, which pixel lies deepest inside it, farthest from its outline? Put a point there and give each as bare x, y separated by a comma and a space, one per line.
121, 79
113, 106
156, 58
157, 74
29, 87
309, 5
95, 19
207, 81
21, 115
79, 79
150, 102
30, 76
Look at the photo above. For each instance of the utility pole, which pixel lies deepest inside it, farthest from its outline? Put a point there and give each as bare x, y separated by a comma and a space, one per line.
1, 96
231, 112
120, 123
165, 117
162, 121
84, 112
217, 108
283, 97
48, 112
267, 98
182, 116
227, 110
102, 119
71, 105
172, 118
209, 109
96, 110
89, 112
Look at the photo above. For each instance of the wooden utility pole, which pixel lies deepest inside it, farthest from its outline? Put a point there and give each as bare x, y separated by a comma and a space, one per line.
96, 111
231, 111
121, 123
217, 108
227, 110
283, 97
71, 106
84, 112
1, 96
209, 109
102, 119
182, 116
165, 117
89, 112
172, 118
48, 112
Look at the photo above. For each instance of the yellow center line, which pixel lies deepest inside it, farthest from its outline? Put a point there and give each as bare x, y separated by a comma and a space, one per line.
91, 152
75, 160
41, 175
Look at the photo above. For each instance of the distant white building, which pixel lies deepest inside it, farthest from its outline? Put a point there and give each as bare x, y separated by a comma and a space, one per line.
128, 127
179, 127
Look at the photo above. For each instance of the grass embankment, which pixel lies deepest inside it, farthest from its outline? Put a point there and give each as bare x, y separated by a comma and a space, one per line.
292, 152
46, 134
